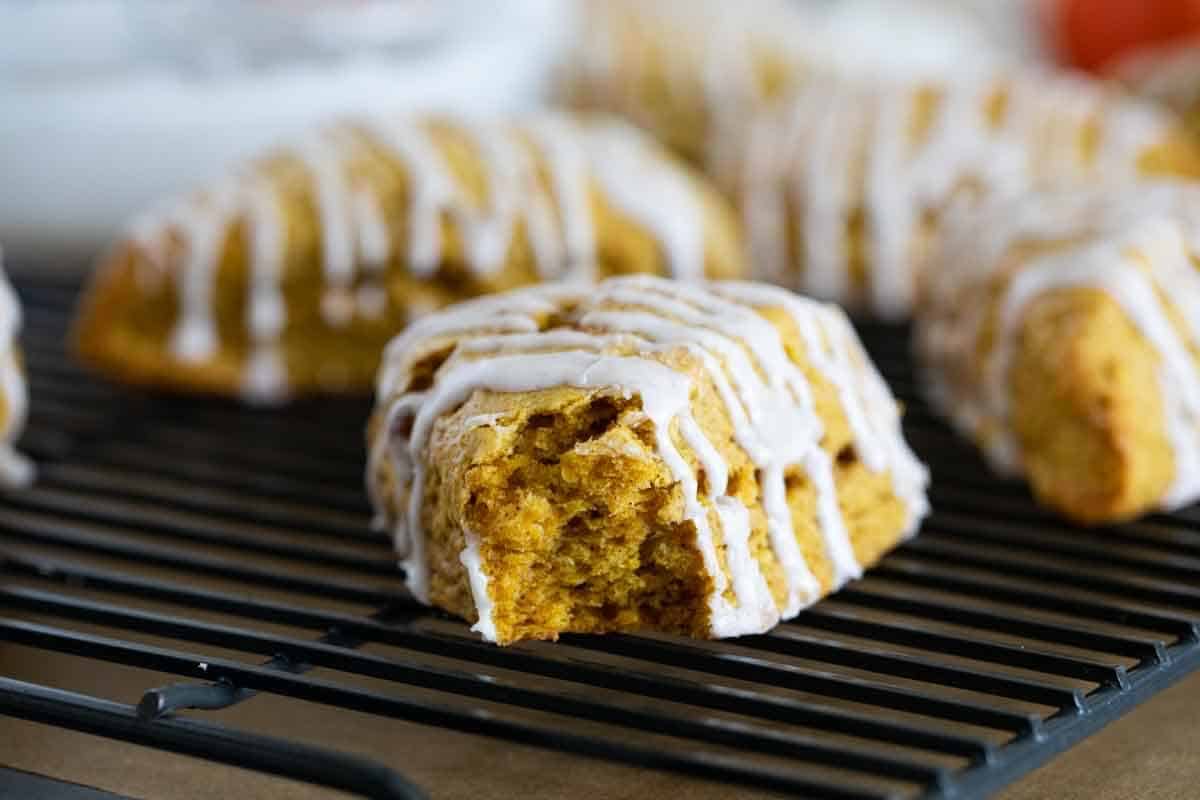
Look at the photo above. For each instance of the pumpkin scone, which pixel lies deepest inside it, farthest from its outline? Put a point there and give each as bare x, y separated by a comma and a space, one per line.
291, 275
843, 188
1062, 335
700, 459
15, 469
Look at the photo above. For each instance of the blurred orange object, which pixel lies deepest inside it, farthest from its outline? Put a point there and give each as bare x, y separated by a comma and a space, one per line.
1091, 34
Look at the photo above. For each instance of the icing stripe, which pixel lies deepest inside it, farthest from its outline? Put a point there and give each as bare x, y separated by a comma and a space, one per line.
266, 310
473, 562
201, 224
659, 199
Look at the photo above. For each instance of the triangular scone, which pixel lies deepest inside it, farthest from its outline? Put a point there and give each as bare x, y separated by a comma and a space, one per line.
1063, 335
843, 187
703, 459
15, 469
290, 275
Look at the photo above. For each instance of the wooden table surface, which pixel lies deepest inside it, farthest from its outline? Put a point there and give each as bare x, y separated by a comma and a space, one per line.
1152, 753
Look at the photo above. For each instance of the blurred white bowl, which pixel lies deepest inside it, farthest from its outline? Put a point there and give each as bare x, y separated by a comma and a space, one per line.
109, 105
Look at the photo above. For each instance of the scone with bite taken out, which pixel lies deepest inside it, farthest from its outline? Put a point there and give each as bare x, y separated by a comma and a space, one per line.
642, 455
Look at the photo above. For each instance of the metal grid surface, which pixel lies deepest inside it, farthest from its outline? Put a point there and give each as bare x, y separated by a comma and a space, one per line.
994, 640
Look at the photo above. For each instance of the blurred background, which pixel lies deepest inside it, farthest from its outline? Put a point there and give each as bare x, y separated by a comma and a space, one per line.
109, 105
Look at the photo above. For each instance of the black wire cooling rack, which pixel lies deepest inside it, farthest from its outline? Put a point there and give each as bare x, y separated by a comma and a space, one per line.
993, 641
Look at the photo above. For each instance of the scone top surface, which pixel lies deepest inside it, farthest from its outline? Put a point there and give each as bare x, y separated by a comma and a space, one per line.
843, 187
1063, 334
642, 454
291, 274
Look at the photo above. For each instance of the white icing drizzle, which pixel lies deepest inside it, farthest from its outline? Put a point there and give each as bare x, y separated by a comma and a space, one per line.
871, 413
1159, 222
662, 201
763, 198
824, 191
488, 228
513, 312
374, 237
430, 188
839, 144
266, 311
473, 562
16, 470
201, 224
561, 339
756, 609
619, 333
569, 170
539, 175
322, 155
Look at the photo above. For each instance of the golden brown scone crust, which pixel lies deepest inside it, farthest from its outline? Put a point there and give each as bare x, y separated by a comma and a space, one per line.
132, 308
1092, 435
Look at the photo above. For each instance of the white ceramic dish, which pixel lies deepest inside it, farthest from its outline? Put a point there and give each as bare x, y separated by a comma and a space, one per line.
108, 105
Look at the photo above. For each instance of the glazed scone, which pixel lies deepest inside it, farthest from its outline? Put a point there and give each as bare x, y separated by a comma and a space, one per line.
15, 469
701, 459
1062, 335
291, 275
682, 69
843, 188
